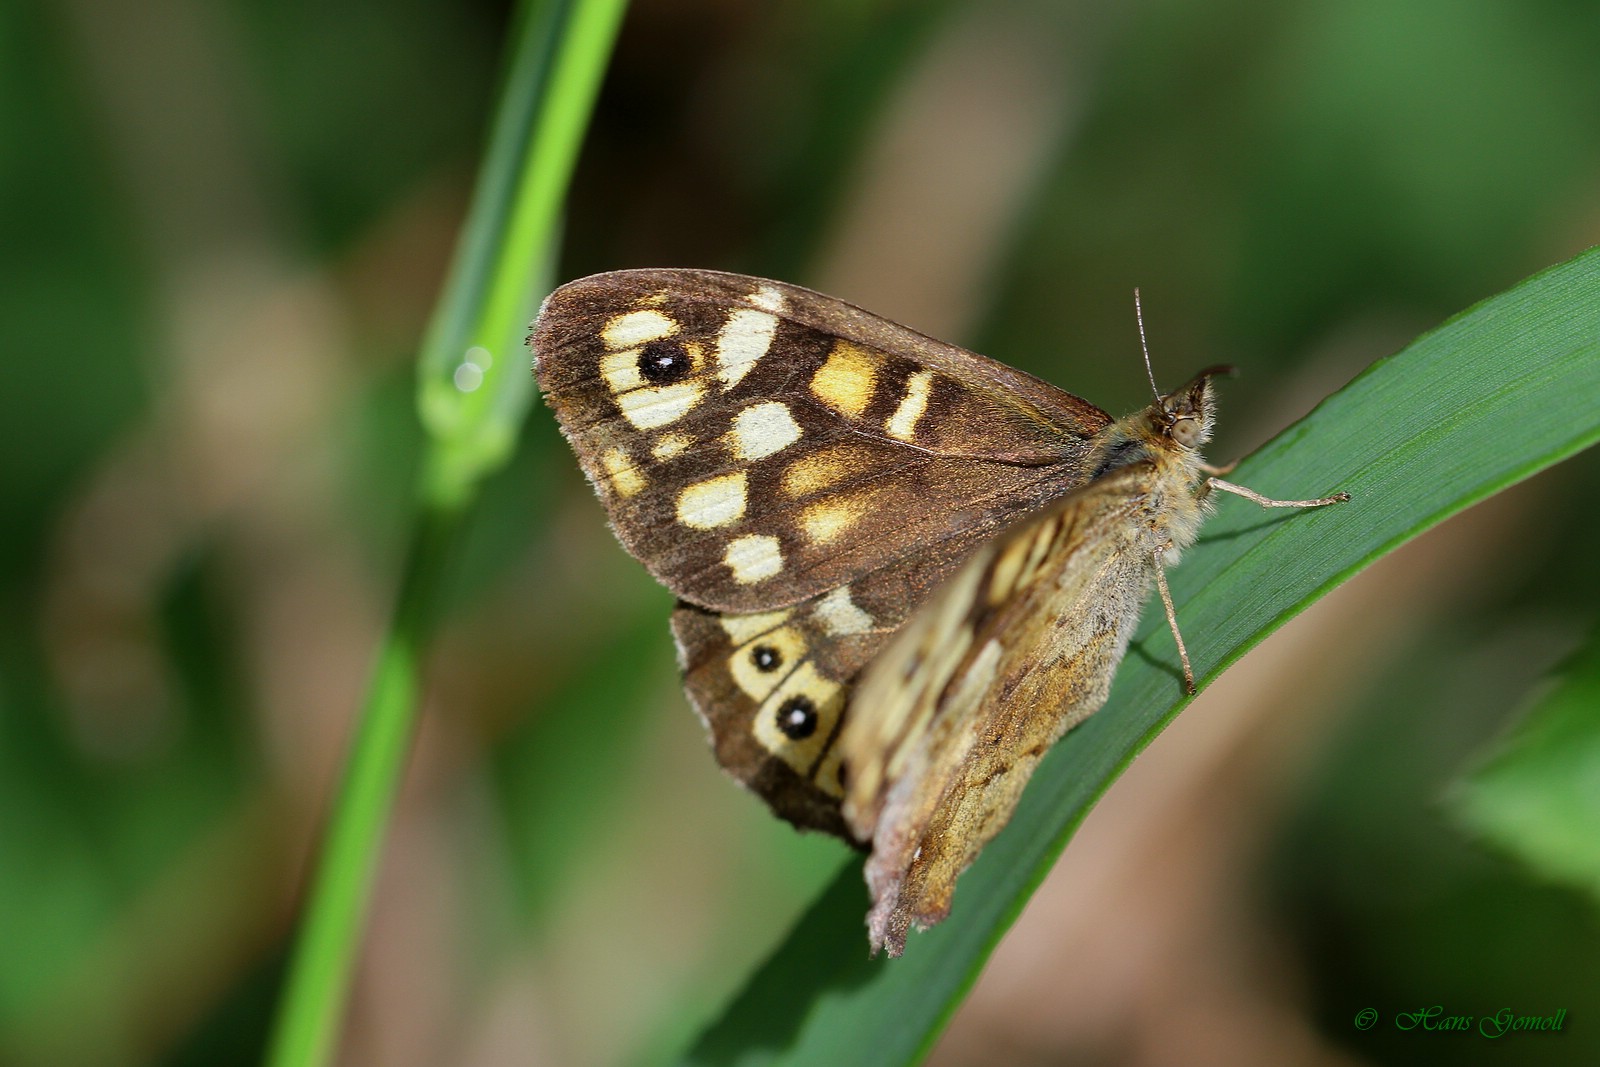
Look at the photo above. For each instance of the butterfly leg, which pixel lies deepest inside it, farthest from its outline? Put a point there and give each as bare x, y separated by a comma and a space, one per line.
1172, 617
1226, 468
1268, 502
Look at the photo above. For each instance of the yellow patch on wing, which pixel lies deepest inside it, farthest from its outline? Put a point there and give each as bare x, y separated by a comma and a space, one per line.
1019, 561
742, 629
804, 696
847, 381
818, 470
621, 371
673, 444
634, 328
769, 298
758, 666
626, 479
903, 423
744, 340
753, 557
827, 519
1043, 538
829, 775
1005, 571
713, 502
840, 616
660, 405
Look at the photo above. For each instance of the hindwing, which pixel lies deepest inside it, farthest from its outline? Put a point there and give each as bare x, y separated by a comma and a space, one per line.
948, 722
772, 686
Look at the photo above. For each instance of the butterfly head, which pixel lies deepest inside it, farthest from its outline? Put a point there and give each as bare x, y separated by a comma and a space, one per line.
1185, 416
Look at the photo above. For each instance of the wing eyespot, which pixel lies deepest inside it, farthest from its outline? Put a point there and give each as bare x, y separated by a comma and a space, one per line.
797, 718
664, 362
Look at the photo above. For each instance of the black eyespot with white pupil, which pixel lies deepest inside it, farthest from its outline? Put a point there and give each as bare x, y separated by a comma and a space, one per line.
663, 362
766, 658
797, 718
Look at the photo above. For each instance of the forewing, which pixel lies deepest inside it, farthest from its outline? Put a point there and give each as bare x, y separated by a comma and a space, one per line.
757, 444
947, 724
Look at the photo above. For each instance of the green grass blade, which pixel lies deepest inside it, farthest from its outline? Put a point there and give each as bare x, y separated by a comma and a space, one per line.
1494, 395
474, 386
330, 930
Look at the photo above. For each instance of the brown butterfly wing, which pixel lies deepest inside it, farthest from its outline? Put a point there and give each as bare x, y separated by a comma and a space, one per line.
757, 444
947, 724
772, 686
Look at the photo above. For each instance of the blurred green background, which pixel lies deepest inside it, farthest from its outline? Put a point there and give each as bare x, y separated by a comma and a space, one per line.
222, 228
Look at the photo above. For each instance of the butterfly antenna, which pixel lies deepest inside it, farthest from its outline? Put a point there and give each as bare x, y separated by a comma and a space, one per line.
1138, 313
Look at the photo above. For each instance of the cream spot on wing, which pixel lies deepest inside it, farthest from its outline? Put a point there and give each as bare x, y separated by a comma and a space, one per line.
649, 408
818, 470
744, 339
1043, 538
713, 502
635, 328
673, 444
847, 380
827, 519
626, 479
744, 628
903, 423
827, 777
1007, 568
621, 370
967, 691
782, 649
753, 557
762, 429
768, 298
840, 616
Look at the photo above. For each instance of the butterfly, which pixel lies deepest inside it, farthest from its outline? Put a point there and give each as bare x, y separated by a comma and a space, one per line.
903, 569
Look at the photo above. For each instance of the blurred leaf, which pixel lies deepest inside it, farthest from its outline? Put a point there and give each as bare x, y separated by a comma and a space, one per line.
574, 757
853, 57
1538, 796
1495, 394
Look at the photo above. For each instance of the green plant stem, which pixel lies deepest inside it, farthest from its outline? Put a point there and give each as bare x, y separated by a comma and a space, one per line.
324, 951
558, 58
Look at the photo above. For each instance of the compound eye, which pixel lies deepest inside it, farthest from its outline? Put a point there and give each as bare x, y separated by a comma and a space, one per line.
1186, 432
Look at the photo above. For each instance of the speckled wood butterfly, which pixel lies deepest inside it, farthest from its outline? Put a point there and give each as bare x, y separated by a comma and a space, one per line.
903, 569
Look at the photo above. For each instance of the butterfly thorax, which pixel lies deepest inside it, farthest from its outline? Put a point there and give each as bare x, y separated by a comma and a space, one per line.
1166, 436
